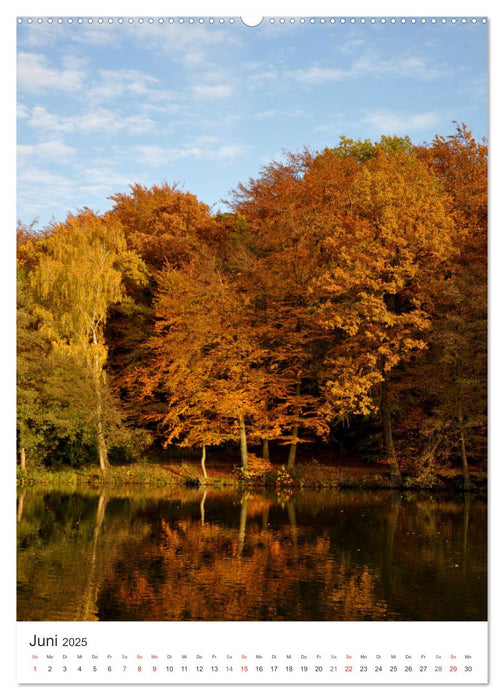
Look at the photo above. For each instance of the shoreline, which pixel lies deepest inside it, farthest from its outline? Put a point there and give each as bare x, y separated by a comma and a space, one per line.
312, 476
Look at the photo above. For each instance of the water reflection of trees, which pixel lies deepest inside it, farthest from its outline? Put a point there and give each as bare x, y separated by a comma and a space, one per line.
65, 552
224, 556
211, 572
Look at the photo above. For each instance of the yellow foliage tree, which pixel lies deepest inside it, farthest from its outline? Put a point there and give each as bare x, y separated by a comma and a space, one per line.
79, 276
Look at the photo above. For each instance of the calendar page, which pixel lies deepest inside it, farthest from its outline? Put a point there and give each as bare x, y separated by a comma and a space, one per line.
251, 437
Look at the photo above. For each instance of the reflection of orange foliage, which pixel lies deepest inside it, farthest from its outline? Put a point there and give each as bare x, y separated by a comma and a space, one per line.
358, 600
177, 569
257, 504
208, 575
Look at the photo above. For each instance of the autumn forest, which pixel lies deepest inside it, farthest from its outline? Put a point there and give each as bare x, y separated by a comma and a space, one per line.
336, 310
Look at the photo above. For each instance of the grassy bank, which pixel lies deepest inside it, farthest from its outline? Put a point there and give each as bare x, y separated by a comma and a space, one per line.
188, 473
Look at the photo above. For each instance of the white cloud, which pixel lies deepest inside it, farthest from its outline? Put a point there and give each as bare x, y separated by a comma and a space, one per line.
45, 192
37, 36
315, 75
229, 151
266, 114
403, 66
212, 91
337, 125
102, 179
99, 35
369, 65
44, 177
276, 113
36, 75
112, 84
116, 84
352, 45
48, 150
22, 111
386, 122
98, 120
191, 45
157, 156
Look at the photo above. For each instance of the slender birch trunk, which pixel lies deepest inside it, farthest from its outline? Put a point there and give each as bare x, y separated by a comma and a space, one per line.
22, 459
100, 435
203, 461
97, 372
265, 449
102, 448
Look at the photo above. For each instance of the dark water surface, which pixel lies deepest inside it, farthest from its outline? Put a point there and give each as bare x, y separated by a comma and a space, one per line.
188, 554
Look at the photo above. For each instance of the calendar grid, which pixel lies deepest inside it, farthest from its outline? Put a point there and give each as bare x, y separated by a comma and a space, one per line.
245, 653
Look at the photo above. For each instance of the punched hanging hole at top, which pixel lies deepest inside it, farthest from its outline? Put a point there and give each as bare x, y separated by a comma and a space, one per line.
252, 21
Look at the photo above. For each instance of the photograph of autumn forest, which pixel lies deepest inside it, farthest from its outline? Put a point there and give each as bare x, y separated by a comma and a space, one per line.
251, 350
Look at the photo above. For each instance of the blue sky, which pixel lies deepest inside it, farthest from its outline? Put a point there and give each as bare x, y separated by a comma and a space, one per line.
101, 106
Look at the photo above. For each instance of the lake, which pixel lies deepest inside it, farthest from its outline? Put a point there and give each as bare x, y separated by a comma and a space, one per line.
204, 554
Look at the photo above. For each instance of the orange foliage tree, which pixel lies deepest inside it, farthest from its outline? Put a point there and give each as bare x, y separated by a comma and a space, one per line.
161, 224
203, 377
343, 283
389, 236
277, 260
350, 240
452, 377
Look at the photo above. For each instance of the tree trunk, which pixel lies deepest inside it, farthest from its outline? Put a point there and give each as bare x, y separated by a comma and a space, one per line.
91, 589
467, 505
100, 513
102, 448
100, 435
465, 468
395, 474
392, 522
22, 459
243, 525
243, 444
291, 461
291, 511
460, 419
265, 450
203, 461
20, 506
97, 374
202, 506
